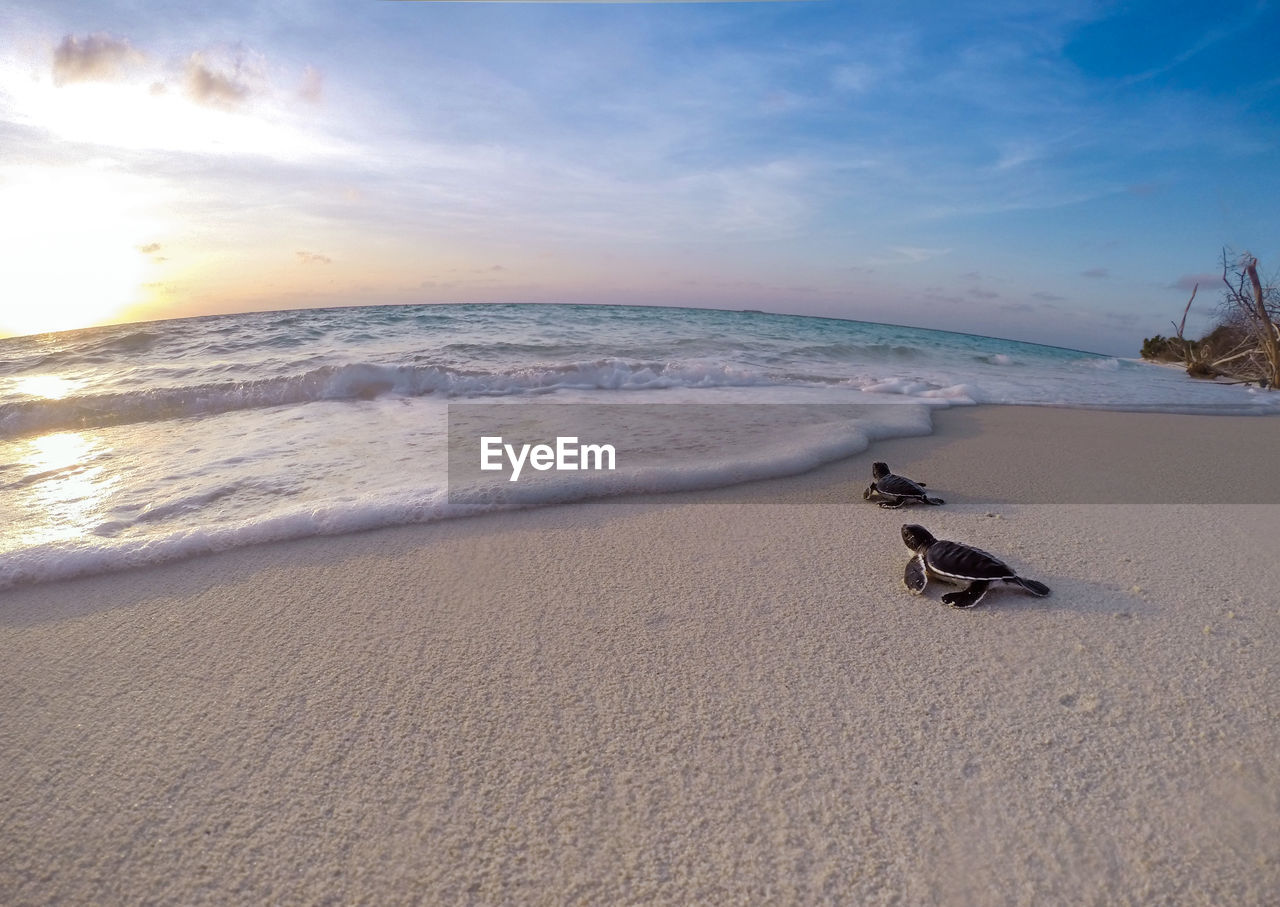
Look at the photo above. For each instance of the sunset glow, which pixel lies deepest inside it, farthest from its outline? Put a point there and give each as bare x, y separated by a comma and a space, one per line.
1022, 172
73, 240
72, 490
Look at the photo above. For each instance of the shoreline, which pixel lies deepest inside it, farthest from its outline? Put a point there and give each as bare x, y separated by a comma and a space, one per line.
1111, 477
687, 697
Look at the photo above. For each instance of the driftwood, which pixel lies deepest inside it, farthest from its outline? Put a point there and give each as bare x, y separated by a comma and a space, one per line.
1249, 324
1267, 330
1188, 355
1193, 354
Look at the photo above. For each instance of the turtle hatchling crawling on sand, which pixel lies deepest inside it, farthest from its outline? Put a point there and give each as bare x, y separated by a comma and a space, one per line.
954, 563
896, 490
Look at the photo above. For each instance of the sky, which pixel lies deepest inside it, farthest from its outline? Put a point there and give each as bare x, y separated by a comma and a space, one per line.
1059, 172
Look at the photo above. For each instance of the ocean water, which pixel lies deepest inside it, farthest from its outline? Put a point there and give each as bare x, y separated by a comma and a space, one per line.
140, 443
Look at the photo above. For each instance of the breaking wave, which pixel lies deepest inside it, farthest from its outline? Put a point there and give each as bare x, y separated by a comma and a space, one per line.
364, 381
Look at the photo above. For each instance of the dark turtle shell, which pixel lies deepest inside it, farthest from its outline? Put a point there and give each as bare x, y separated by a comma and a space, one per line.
963, 562
893, 484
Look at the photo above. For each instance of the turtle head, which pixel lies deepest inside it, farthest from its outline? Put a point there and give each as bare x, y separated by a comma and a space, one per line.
879, 470
917, 538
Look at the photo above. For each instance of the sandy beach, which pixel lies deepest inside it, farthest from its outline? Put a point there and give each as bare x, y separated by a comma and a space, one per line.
713, 698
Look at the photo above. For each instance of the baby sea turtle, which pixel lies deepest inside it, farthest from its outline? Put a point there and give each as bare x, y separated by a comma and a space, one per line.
896, 490
954, 563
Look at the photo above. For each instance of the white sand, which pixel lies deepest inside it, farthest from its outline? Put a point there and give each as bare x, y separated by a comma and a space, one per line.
718, 698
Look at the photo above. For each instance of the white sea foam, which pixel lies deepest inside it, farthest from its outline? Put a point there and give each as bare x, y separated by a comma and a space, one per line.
163, 532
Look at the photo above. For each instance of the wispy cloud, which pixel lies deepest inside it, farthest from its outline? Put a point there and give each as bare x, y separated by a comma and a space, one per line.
854, 76
907, 255
786, 141
1189, 282
1017, 154
1205, 41
311, 88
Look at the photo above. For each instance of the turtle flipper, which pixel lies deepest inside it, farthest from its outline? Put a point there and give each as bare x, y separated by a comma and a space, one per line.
893, 503
967, 598
933, 501
871, 489
915, 577
1030, 585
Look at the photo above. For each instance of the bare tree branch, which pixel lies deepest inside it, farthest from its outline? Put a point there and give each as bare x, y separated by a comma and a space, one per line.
1186, 347
1246, 337
1267, 332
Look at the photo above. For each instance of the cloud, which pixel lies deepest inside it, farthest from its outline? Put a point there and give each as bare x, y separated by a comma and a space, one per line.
979, 293
213, 86
1017, 307
312, 87
95, 58
667, 151
1206, 40
149, 248
908, 255
313, 258
1187, 282
941, 294
1017, 154
852, 77
1098, 273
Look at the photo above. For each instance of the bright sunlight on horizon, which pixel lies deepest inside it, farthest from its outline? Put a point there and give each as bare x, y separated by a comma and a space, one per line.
86, 230
77, 244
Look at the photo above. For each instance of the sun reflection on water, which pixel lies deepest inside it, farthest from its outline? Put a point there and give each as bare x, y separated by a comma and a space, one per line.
61, 488
50, 387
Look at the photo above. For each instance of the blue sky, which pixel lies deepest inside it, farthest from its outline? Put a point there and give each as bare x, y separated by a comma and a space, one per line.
1058, 172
